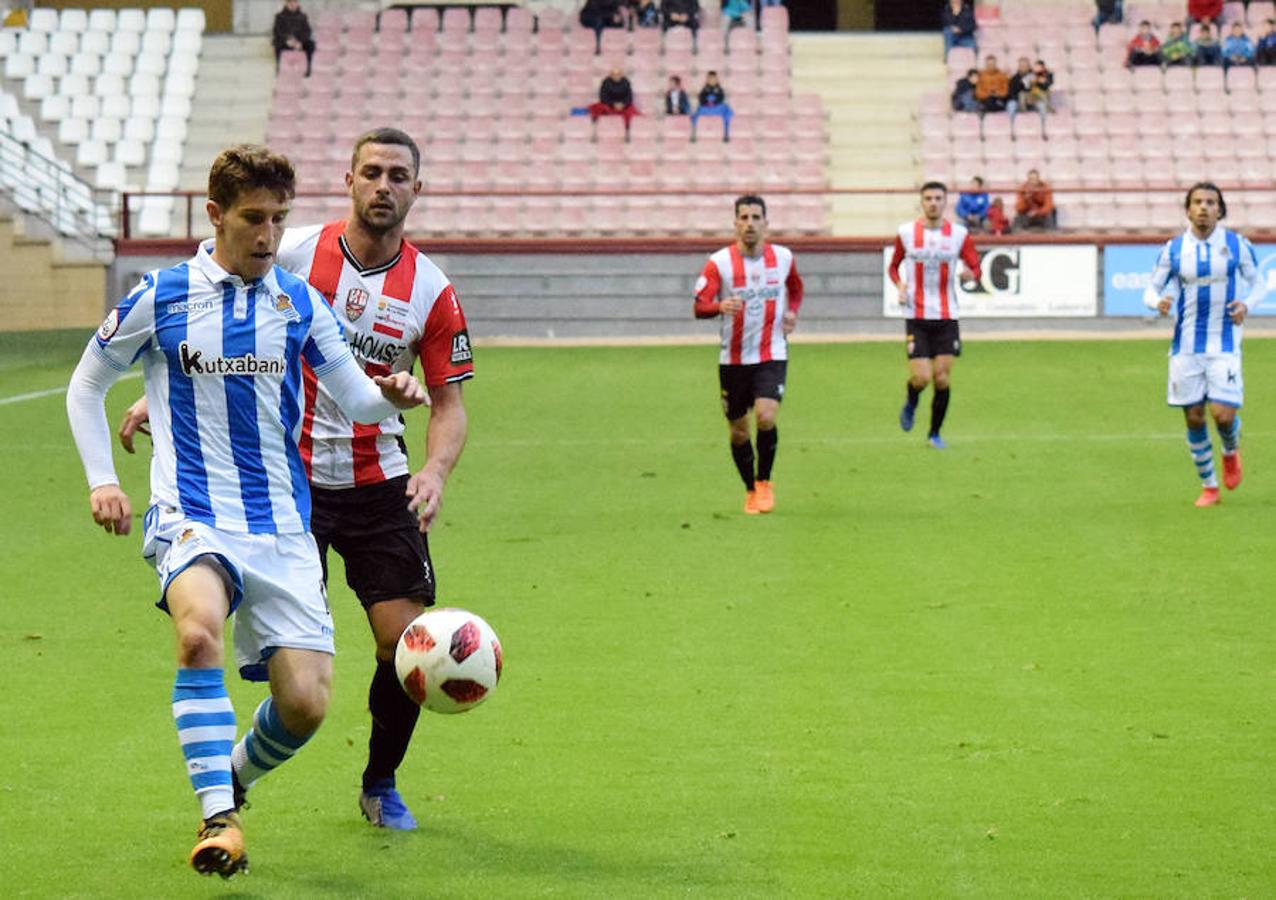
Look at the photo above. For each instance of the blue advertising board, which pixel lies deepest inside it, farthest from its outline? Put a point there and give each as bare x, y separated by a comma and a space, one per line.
1127, 270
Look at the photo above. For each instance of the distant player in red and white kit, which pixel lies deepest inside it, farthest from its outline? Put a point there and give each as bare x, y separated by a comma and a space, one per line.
395, 307
928, 250
755, 287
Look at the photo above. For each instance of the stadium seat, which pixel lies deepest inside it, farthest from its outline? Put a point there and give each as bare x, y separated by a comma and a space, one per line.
72, 131
107, 130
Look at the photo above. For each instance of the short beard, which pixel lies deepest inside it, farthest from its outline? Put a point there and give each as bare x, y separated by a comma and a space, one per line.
377, 229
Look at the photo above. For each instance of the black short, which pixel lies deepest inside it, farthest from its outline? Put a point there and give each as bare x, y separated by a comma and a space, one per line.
386, 555
928, 338
741, 385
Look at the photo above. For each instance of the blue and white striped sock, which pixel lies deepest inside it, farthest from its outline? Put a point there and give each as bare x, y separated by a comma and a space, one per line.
206, 730
266, 746
1198, 442
1231, 435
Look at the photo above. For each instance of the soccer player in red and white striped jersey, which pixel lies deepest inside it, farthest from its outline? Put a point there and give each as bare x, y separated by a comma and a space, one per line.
924, 269
755, 287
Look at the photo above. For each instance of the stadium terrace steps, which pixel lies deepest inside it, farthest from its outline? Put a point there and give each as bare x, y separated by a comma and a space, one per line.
870, 86
232, 101
70, 292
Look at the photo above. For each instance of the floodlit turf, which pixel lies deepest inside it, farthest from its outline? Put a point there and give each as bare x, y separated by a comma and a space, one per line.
1025, 666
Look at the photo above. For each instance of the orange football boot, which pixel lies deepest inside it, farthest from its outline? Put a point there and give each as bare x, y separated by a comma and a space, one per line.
1209, 497
221, 846
751, 503
766, 497
1232, 470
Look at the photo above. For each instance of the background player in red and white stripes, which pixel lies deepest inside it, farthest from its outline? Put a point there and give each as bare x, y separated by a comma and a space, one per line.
395, 307
924, 269
755, 287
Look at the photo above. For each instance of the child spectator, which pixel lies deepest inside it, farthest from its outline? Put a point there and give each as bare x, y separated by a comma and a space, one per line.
1144, 49
959, 27
998, 223
676, 101
993, 88
1238, 49
964, 92
1265, 52
972, 205
1177, 49
1208, 50
713, 102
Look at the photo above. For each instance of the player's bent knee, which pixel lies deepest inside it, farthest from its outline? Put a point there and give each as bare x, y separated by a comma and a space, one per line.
302, 708
198, 647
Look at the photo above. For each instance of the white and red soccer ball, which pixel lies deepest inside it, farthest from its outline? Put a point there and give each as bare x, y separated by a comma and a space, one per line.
448, 660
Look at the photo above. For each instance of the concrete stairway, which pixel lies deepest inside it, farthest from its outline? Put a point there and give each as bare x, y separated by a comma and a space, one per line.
232, 101
871, 86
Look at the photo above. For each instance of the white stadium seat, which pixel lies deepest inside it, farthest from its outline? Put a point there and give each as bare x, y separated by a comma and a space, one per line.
163, 175
37, 87
116, 106
176, 106
143, 84
107, 129
8, 106
73, 131
190, 18
98, 42
183, 64
131, 19
8, 42
90, 153
146, 106
161, 18
33, 42
74, 21
166, 152
64, 42
54, 108
86, 106
171, 129
128, 42
107, 85
86, 63
151, 63
111, 176
19, 65
156, 43
130, 153
139, 128
52, 64
74, 85
179, 86
43, 19
102, 20
23, 130
155, 220
187, 43
117, 63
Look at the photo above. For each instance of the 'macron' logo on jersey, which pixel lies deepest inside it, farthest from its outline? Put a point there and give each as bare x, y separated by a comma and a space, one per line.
193, 363
356, 303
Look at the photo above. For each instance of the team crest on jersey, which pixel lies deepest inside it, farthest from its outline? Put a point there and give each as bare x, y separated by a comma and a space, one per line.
283, 306
461, 352
109, 326
356, 303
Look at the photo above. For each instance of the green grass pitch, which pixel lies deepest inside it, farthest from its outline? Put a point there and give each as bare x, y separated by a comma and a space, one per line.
1024, 667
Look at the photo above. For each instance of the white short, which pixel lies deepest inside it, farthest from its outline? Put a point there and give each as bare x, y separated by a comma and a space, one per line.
1197, 377
276, 583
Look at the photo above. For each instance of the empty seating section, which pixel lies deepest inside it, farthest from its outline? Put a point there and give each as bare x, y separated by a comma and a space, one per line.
111, 90
490, 99
1140, 135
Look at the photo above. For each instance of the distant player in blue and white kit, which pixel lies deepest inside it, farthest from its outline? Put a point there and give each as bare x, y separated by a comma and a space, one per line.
221, 339
1208, 276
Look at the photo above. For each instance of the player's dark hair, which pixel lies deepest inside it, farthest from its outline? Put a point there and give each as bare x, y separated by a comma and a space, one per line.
387, 136
750, 200
978, 179
1206, 186
246, 167
934, 186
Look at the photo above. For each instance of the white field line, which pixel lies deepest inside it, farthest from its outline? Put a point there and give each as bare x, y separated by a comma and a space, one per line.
49, 392
850, 440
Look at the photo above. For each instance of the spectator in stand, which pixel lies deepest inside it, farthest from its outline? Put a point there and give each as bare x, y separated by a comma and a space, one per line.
1107, 11
1034, 204
1209, 52
993, 88
292, 32
615, 98
1238, 49
681, 14
600, 14
1020, 84
1203, 12
1265, 52
972, 205
676, 101
959, 27
998, 222
1177, 50
713, 102
1144, 48
964, 92
644, 14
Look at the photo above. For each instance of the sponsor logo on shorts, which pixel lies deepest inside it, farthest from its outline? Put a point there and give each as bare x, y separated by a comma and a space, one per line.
109, 326
356, 303
461, 352
193, 363
1231, 376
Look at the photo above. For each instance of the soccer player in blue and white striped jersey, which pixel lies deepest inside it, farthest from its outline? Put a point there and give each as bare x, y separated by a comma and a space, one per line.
1208, 277
221, 339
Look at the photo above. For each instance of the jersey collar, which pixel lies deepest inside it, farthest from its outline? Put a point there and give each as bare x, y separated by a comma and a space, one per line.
204, 263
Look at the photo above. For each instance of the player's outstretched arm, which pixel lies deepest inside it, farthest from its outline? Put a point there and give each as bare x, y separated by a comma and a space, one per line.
86, 412
444, 440
135, 420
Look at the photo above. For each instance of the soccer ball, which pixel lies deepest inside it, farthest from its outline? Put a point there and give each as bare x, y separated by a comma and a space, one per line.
448, 660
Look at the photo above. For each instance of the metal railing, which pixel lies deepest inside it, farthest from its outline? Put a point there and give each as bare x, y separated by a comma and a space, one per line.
49, 190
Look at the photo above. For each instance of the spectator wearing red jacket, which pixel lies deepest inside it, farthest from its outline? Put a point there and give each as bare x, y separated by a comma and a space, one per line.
1203, 11
1145, 48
